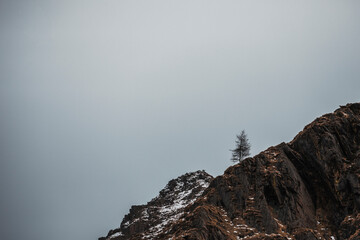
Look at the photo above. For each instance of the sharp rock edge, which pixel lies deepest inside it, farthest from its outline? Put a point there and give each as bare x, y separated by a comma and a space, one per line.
148, 221
308, 188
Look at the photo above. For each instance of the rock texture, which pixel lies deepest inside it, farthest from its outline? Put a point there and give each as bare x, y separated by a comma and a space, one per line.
306, 189
148, 221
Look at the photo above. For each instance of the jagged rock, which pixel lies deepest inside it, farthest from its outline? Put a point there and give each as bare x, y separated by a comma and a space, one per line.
147, 221
306, 189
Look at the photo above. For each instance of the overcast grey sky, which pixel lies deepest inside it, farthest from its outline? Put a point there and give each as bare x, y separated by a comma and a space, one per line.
102, 102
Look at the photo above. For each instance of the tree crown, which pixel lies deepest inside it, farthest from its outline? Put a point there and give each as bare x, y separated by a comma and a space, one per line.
242, 149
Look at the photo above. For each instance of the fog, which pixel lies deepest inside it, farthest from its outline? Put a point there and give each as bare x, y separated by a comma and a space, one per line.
103, 102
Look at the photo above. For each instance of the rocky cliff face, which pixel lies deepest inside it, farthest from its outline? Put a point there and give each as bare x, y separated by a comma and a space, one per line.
306, 189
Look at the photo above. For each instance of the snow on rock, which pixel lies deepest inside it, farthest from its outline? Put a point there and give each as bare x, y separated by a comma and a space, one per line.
150, 219
116, 235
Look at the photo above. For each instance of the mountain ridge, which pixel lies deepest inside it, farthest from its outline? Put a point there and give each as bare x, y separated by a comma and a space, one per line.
145, 221
308, 188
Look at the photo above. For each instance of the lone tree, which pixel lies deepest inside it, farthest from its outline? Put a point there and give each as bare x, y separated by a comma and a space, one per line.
242, 149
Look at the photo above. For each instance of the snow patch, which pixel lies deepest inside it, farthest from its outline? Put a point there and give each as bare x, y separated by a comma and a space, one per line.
180, 197
118, 234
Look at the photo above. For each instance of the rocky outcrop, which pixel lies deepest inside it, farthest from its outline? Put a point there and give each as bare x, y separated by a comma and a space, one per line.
306, 189
147, 221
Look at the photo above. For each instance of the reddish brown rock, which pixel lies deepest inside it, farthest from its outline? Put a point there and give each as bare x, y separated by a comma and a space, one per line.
306, 189
148, 221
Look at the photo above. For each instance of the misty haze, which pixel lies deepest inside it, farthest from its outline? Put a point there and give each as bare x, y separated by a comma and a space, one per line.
103, 102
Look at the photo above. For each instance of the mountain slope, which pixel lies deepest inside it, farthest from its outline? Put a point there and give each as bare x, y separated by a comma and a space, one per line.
306, 189
147, 221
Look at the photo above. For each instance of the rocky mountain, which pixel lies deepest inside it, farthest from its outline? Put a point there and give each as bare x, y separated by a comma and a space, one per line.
147, 221
308, 188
